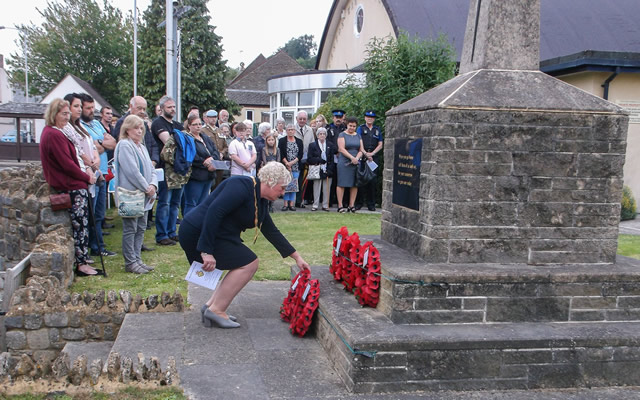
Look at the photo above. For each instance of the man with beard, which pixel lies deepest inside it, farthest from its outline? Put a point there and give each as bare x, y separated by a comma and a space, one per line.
103, 143
168, 199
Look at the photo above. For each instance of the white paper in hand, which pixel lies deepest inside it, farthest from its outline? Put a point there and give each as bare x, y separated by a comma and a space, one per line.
200, 277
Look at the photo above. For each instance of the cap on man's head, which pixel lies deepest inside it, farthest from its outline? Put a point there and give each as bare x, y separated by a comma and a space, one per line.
370, 113
338, 113
212, 113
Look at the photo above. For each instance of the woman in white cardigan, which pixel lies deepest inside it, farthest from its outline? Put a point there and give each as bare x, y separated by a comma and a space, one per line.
134, 171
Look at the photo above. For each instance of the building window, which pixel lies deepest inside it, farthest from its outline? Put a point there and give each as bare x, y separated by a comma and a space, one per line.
287, 100
358, 22
249, 115
324, 95
305, 99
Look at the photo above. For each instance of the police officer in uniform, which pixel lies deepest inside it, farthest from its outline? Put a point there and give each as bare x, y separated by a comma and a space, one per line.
372, 140
333, 130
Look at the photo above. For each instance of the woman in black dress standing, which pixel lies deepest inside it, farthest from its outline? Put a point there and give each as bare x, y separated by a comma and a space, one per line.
210, 234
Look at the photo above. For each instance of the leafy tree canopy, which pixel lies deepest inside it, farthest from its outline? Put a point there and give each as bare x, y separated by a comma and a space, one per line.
203, 69
302, 49
81, 38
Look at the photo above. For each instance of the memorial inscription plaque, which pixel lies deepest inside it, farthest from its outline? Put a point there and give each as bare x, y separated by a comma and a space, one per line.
406, 173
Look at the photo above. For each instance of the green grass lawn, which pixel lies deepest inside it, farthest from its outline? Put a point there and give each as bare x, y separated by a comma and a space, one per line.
310, 233
130, 393
629, 245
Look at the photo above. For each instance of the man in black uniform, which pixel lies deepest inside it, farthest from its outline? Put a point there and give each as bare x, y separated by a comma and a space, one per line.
372, 142
333, 130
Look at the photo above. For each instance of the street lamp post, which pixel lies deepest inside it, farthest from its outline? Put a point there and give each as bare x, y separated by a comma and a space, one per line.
26, 65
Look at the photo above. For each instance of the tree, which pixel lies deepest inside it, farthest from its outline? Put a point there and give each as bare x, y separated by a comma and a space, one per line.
302, 49
203, 69
81, 38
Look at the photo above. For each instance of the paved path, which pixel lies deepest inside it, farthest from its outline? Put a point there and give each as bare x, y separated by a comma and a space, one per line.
630, 227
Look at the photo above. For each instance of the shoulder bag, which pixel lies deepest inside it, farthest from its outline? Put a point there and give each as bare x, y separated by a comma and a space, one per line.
364, 174
130, 202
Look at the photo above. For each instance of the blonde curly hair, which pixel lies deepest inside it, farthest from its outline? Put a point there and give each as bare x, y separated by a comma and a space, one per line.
274, 173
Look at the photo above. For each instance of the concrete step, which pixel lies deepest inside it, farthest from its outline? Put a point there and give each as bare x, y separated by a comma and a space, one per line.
470, 356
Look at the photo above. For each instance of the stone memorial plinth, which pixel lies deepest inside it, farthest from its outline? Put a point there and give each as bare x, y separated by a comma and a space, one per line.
501, 204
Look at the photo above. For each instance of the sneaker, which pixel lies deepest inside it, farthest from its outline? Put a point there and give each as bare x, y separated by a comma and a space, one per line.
135, 269
166, 242
145, 266
175, 238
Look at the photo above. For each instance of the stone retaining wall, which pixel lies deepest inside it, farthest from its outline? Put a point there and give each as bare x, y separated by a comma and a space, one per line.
28, 225
44, 316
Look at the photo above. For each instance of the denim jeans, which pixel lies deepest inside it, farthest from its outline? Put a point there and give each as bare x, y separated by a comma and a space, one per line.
99, 203
194, 193
167, 211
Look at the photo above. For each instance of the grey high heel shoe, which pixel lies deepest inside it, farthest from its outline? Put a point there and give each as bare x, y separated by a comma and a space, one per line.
205, 307
211, 319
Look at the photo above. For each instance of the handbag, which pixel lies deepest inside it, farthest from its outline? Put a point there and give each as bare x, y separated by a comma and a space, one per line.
130, 202
364, 174
60, 201
314, 172
292, 187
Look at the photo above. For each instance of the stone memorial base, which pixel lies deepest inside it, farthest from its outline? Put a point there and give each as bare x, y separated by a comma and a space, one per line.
485, 326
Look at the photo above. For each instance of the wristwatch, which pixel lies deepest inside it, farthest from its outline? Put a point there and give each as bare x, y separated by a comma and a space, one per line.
100, 142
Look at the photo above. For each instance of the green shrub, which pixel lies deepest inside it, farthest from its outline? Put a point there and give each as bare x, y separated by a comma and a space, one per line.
628, 210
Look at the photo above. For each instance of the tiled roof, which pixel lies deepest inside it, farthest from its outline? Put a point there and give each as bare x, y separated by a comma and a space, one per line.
249, 97
278, 63
250, 88
22, 110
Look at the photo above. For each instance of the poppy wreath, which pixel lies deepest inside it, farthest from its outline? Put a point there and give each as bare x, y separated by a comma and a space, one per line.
305, 308
368, 285
339, 263
295, 292
352, 271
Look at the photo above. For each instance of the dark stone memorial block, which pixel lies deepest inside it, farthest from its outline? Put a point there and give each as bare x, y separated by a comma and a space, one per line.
406, 173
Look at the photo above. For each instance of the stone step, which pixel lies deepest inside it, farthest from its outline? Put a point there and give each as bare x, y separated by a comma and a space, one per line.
480, 356
422, 292
154, 334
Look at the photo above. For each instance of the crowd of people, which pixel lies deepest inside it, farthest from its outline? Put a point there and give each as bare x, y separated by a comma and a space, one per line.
181, 166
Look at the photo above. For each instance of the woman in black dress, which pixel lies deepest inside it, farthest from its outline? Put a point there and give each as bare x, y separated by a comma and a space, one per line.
210, 234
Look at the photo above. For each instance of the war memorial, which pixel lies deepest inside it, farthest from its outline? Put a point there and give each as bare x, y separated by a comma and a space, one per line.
500, 217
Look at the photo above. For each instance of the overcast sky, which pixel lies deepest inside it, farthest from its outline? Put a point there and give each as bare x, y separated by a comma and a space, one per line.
265, 24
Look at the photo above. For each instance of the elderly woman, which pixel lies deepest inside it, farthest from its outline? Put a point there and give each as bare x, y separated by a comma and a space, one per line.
202, 170
210, 234
291, 151
280, 131
63, 173
242, 153
321, 154
134, 171
351, 150
264, 129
